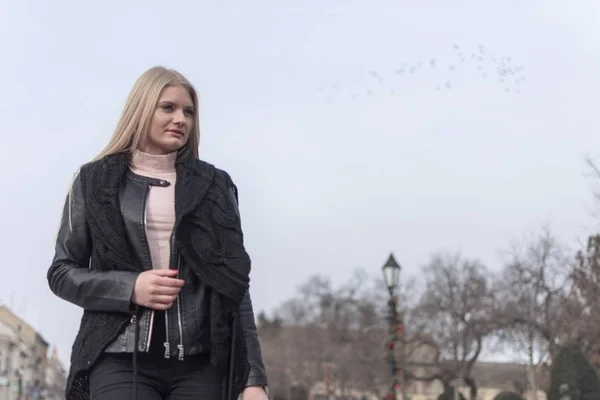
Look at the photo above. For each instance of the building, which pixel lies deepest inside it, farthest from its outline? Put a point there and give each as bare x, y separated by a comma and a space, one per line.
491, 379
302, 363
26, 371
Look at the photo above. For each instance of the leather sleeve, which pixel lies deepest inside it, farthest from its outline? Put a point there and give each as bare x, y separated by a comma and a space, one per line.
258, 373
70, 277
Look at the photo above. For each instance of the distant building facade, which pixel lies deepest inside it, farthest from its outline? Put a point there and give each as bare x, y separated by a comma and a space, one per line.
301, 366
491, 378
27, 371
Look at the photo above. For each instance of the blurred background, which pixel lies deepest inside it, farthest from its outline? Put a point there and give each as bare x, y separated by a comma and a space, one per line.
458, 135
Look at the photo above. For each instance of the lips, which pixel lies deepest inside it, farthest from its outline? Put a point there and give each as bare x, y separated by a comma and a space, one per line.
176, 132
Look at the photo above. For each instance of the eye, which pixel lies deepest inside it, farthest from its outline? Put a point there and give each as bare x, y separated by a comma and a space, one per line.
189, 112
167, 107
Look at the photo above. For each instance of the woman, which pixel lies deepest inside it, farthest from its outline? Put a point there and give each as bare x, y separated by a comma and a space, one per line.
151, 247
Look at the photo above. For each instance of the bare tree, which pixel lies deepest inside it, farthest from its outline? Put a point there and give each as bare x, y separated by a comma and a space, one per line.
533, 304
338, 329
595, 174
585, 297
453, 318
532, 350
274, 353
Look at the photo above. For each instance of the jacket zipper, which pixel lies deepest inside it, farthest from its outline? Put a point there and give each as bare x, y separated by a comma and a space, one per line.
180, 345
151, 318
167, 343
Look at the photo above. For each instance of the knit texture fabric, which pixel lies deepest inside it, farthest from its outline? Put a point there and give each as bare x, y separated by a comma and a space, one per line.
210, 242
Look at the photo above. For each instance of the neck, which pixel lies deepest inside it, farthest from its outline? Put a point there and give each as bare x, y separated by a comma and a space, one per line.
152, 162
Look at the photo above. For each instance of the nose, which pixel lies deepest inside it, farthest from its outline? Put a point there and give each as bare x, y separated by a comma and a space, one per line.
179, 117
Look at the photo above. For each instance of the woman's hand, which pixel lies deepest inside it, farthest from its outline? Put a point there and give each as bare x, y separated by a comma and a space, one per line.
254, 393
156, 288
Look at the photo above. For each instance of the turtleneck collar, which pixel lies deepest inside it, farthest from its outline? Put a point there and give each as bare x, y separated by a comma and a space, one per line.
153, 163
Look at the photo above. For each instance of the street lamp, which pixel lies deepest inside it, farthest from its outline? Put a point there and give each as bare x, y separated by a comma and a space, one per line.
391, 275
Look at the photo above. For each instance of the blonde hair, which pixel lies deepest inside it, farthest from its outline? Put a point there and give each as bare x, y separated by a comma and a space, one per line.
139, 108
136, 117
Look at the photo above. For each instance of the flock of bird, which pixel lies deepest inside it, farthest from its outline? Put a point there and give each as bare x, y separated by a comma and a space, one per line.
503, 69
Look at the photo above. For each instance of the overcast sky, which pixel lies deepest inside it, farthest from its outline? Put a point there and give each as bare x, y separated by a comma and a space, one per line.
340, 152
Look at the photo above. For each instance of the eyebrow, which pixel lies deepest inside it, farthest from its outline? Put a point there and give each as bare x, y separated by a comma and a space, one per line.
170, 102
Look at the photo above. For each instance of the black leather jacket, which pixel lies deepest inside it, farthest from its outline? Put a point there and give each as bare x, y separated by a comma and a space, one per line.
186, 322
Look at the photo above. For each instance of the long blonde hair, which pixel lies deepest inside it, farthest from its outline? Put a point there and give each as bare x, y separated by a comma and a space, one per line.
139, 109
137, 114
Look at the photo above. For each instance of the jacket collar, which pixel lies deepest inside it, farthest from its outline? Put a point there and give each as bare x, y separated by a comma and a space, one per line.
194, 179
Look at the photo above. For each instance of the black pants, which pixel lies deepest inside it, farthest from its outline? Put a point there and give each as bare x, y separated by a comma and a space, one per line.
158, 378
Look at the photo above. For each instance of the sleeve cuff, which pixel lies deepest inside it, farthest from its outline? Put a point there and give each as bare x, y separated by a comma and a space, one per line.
257, 381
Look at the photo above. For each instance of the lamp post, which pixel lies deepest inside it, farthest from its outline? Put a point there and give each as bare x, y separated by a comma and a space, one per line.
391, 276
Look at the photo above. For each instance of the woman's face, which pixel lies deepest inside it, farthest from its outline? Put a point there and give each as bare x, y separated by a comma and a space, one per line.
171, 123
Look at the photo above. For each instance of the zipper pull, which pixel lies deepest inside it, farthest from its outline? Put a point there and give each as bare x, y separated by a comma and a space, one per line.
167, 350
133, 319
180, 348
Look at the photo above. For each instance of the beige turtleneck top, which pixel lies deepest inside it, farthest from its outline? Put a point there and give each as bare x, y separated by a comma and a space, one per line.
160, 205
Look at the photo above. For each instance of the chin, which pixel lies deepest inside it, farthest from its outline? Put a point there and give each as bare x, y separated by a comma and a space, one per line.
173, 145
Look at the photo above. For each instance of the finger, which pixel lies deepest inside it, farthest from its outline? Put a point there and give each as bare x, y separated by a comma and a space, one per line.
165, 290
163, 299
161, 306
165, 272
169, 282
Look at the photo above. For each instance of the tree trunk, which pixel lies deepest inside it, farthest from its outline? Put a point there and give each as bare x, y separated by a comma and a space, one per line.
531, 369
472, 387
